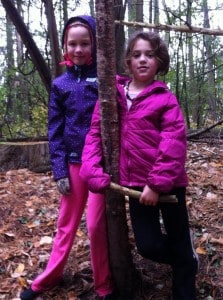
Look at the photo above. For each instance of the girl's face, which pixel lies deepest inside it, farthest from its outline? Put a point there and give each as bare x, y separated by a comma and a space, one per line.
78, 45
143, 63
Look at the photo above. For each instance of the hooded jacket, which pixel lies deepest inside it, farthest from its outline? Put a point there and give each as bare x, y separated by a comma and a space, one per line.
152, 142
72, 99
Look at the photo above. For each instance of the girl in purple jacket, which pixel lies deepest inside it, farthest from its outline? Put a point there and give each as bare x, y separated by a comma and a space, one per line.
152, 160
72, 100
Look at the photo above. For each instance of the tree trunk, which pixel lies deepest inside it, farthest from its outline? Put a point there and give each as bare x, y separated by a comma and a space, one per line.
34, 52
10, 59
120, 255
91, 5
135, 13
208, 43
139, 11
192, 86
131, 16
156, 12
19, 155
53, 35
119, 13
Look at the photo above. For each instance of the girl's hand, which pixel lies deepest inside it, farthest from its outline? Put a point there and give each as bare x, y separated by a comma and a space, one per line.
63, 186
149, 197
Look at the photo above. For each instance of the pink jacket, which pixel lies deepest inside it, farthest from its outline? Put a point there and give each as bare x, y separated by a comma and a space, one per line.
152, 144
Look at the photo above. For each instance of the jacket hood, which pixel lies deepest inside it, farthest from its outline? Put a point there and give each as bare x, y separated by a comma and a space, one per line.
88, 20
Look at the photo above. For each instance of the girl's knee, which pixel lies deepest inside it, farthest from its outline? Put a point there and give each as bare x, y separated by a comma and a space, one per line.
153, 252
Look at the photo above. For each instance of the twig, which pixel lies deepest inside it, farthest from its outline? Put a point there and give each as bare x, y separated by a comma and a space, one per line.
136, 194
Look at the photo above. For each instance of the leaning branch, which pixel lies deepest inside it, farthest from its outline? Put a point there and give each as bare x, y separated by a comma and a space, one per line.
181, 28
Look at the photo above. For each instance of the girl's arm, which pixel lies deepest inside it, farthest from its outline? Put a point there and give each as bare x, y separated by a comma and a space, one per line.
56, 121
92, 157
169, 168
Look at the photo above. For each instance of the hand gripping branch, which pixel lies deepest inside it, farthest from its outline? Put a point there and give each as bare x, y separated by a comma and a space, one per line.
136, 194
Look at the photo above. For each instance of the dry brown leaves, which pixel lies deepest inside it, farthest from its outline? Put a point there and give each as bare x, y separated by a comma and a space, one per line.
28, 214
205, 193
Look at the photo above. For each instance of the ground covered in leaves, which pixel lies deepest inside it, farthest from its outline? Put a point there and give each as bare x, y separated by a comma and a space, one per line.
28, 214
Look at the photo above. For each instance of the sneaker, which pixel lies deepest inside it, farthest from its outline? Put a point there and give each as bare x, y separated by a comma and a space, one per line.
195, 255
29, 294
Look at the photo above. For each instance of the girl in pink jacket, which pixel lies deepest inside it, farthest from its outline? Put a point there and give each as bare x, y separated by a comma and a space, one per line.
152, 160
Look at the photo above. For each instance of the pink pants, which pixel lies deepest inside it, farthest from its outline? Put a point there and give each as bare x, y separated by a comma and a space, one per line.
71, 210
97, 230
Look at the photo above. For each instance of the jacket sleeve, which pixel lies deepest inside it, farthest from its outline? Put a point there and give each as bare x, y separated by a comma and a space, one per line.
92, 157
169, 168
56, 121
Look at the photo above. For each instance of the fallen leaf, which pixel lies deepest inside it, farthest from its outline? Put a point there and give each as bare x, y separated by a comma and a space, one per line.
22, 282
200, 250
20, 268
46, 240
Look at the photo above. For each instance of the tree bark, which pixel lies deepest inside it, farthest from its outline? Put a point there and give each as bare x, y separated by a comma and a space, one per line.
121, 262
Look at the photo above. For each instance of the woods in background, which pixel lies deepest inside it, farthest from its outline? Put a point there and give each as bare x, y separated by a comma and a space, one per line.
29, 56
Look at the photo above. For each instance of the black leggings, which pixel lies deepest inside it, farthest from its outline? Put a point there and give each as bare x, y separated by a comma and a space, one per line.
169, 244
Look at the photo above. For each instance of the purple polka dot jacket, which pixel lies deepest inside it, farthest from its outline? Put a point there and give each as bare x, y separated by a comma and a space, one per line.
72, 99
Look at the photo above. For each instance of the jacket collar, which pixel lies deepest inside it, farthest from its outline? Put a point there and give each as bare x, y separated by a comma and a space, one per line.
155, 85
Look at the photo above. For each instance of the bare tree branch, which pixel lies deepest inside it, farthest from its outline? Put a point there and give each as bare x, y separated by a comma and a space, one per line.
182, 28
199, 132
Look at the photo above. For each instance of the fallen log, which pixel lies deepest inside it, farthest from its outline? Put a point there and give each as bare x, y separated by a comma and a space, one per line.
136, 194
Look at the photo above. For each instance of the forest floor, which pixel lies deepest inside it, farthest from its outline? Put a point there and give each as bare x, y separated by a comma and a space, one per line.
28, 214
